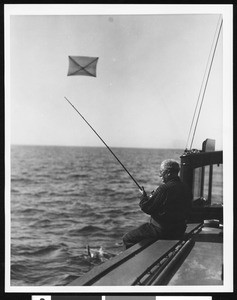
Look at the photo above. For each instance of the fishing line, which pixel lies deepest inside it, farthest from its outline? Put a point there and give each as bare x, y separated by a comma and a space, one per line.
104, 143
207, 77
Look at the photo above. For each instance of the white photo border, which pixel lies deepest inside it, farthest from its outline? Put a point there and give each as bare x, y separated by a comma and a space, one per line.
81, 9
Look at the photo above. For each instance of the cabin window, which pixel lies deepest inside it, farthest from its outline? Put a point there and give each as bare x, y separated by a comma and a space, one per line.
217, 187
197, 174
208, 185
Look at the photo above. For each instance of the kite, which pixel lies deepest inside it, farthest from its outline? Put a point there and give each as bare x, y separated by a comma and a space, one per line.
82, 65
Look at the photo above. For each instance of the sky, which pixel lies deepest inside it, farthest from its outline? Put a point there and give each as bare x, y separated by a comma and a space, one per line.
149, 76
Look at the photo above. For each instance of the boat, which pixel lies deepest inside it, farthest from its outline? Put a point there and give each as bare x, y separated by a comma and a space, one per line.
196, 258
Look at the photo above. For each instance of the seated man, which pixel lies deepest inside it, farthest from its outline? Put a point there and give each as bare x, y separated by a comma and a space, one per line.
168, 207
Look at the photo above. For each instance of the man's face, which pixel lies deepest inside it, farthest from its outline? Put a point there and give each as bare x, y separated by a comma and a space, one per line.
163, 173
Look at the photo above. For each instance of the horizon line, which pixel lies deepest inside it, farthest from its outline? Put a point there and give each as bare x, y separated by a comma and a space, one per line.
89, 146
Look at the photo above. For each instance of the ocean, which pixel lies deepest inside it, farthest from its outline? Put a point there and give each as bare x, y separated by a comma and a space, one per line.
66, 198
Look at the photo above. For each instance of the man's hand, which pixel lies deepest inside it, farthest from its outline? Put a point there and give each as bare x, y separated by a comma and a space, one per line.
142, 191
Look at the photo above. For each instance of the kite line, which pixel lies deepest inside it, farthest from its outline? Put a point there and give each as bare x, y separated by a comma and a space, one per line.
104, 143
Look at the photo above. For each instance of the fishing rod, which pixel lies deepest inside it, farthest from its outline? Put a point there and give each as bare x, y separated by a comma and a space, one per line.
140, 188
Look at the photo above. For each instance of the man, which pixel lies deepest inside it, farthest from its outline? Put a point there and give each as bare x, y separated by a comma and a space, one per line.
168, 207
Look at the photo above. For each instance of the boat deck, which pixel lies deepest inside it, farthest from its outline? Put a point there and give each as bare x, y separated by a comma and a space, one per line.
199, 269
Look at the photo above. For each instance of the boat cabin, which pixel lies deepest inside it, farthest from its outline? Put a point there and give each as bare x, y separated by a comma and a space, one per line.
202, 171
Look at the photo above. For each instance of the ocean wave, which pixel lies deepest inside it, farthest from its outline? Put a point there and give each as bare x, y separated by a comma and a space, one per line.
71, 194
64, 280
89, 229
25, 180
41, 223
76, 176
32, 211
16, 268
45, 250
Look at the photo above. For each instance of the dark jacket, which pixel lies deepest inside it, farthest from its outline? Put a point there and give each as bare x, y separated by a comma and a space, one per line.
170, 204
